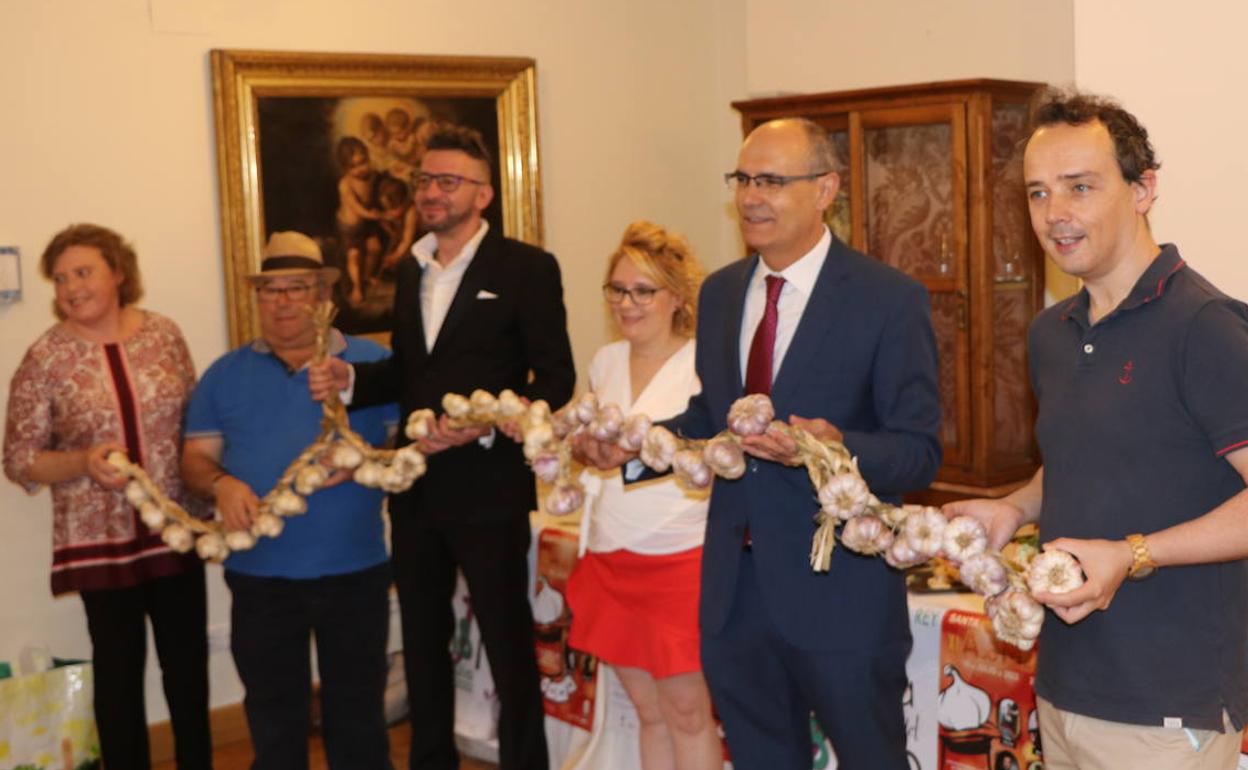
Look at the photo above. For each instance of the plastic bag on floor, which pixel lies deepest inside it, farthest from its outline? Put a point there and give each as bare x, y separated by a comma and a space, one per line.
47, 721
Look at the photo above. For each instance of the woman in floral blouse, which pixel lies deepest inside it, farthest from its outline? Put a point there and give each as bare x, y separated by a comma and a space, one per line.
111, 377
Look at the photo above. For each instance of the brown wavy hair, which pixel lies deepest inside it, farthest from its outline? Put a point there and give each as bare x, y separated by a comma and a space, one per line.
1132, 149
666, 258
117, 253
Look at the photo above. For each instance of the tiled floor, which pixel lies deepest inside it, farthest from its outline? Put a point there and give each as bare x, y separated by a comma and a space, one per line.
238, 756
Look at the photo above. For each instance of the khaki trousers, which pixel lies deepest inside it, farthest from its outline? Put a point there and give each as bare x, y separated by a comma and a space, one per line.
1077, 742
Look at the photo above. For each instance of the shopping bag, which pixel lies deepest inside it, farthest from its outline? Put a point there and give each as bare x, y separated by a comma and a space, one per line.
47, 721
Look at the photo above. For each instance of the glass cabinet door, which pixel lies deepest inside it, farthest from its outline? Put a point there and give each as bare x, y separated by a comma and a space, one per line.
909, 196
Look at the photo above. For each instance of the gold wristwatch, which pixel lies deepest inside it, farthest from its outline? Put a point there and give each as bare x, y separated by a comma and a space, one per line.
1142, 564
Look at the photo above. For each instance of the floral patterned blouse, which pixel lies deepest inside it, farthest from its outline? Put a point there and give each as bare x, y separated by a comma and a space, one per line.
71, 394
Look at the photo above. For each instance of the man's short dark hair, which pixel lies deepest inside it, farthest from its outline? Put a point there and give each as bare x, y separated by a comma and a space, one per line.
449, 136
1131, 146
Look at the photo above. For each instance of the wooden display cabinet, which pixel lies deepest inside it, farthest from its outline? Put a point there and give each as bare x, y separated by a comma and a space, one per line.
932, 184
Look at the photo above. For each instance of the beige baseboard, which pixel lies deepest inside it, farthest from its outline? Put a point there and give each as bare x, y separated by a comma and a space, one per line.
229, 725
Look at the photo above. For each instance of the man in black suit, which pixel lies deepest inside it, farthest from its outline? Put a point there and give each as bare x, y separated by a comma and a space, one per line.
472, 310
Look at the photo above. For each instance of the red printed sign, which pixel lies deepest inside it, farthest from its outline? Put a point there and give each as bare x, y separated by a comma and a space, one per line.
568, 675
986, 707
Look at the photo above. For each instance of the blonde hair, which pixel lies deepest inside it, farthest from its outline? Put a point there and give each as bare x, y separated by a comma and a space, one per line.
664, 256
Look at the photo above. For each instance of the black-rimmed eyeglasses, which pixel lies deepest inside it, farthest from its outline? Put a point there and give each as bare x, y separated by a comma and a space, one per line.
739, 180
640, 295
295, 292
446, 182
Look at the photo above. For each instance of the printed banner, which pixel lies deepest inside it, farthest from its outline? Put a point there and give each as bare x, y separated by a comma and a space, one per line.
986, 708
568, 675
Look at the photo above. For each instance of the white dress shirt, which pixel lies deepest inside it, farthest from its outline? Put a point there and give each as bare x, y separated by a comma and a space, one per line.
799, 282
439, 284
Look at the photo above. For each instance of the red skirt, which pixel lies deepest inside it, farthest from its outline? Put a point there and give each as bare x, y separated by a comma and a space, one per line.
636, 610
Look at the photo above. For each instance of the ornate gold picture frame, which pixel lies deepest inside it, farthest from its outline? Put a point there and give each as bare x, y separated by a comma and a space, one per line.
289, 125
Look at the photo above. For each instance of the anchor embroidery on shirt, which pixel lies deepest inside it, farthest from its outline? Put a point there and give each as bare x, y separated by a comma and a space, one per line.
1125, 377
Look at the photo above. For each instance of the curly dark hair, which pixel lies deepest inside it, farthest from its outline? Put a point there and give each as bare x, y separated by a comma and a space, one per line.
449, 136
118, 255
1132, 149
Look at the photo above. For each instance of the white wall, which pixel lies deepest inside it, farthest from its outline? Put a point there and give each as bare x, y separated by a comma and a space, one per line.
1180, 68
108, 118
801, 46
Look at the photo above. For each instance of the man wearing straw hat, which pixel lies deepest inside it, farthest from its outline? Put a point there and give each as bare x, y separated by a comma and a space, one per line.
327, 575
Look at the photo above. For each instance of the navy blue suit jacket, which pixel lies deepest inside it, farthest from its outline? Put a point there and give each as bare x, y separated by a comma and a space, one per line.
863, 358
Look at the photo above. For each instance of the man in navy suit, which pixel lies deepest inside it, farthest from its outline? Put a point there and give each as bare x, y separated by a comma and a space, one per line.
846, 343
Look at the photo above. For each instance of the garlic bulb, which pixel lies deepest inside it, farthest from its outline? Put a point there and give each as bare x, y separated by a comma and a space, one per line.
1054, 572
689, 469
369, 474
546, 466
564, 422
844, 496
867, 535
607, 423
984, 574
410, 461
211, 547
395, 480
892, 515
178, 537
585, 408
964, 537
483, 405
418, 423
152, 515
539, 411
135, 493
287, 503
345, 456
1016, 618
268, 525
750, 415
547, 603
962, 706
564, 499
724, 457
633, 433
118, 460
900, 555
310, 478
537, 439
924, 530
239, 540
456, 406
659, 448
510, 405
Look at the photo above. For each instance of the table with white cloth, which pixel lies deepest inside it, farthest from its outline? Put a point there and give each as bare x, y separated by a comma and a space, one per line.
969, 705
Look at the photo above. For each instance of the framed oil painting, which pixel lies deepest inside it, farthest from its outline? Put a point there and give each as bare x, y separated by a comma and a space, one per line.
326, 144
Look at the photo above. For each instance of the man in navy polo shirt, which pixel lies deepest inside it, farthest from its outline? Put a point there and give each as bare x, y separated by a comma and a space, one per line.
1142, 384
327, 575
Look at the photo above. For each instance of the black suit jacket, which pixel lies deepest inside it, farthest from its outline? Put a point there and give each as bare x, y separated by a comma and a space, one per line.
516, 339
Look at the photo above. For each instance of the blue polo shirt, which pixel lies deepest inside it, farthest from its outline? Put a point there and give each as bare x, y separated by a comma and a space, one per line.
1136, 414
263, 412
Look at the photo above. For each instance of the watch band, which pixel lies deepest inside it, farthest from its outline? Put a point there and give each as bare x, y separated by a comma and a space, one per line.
1142, 564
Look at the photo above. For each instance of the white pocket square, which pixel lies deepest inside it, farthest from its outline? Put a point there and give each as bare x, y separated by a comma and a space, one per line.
486, 294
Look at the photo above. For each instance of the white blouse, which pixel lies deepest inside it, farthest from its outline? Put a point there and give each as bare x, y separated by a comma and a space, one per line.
655, 517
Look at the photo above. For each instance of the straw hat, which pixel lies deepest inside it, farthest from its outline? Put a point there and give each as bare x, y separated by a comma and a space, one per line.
292, 253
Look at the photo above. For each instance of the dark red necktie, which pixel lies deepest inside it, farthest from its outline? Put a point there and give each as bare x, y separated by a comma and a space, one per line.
762, 349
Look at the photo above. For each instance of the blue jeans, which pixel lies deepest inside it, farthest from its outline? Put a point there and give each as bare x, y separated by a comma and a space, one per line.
273, 621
